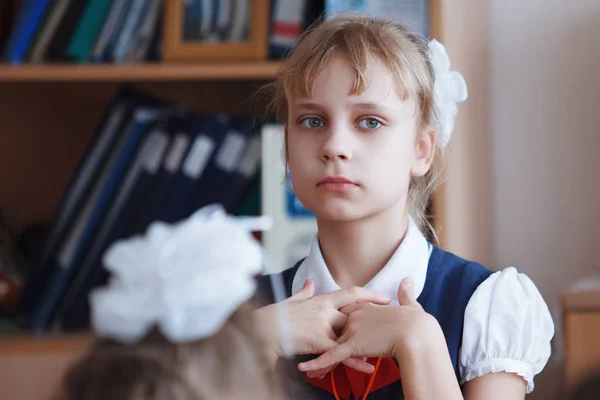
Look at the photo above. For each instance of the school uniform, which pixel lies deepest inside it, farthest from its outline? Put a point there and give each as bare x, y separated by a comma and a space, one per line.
492, 321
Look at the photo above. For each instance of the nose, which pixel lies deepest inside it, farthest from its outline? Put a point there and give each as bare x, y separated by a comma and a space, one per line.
336, 146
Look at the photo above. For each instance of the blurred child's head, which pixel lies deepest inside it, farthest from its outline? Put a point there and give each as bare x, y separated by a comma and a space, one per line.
357, 96
227, 365
175, 320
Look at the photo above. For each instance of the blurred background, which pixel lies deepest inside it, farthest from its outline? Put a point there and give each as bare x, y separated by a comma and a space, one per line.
116, 113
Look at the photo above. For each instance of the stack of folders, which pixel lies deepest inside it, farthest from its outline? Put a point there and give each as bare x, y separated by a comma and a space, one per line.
148, 161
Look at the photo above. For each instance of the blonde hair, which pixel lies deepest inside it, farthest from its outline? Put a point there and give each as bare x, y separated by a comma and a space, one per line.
231, 362
404, 53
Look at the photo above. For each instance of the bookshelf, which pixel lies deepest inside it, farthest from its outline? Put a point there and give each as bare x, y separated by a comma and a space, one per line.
157, 72
48, 114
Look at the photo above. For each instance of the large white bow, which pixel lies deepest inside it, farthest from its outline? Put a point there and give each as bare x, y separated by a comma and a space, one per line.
186, 278
450, 88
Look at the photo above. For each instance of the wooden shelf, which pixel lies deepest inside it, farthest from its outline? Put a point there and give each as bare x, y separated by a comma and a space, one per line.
139, 72
28, 343
582, 301
32, 367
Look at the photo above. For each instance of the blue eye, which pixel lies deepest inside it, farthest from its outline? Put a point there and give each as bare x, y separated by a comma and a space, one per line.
369, 123
312, 122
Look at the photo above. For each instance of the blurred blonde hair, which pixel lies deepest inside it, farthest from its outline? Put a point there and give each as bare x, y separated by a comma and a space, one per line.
357, 38
228, 365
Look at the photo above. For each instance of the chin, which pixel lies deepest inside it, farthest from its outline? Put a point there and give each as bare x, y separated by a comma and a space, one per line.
339, 211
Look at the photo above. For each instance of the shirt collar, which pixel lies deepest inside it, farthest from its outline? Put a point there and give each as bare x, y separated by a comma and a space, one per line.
409, 260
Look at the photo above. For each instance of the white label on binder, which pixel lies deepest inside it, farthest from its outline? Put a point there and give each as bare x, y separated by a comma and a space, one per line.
159, 146
231, 151
173, 160
251, 159
198, 158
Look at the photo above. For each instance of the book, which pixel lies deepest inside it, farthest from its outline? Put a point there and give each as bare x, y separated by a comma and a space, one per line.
31, 17
412, 14
174, 207
51, 25
57, 50
246, 171
294, 227
140, 45
63, 265
96, 155
287, 25
73, 311
164, 180
131, 24
83, 40
110, 30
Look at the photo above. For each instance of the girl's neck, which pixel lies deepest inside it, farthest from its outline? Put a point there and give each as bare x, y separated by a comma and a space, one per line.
356, 251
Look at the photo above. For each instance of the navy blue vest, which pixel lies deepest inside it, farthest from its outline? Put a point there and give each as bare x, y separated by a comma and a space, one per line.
449, 285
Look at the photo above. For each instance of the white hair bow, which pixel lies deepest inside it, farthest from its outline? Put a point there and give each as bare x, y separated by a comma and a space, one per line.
450, 88
186, 278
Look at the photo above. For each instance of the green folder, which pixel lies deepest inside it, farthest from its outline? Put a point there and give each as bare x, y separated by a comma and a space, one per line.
92, 21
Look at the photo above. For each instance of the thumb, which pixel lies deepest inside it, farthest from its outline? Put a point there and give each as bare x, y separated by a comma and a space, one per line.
406, 292
308, 291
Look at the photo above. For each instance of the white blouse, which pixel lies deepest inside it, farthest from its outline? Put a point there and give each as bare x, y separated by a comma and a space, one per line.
507, 326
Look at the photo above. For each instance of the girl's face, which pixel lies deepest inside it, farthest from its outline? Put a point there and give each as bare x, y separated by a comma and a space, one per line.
352, 156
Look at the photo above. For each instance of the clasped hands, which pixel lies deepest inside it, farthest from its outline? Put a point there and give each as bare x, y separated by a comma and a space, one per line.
348, 326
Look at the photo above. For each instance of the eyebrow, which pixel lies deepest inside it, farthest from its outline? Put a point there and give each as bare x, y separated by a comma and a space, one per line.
369, 106
362, 106
307, 106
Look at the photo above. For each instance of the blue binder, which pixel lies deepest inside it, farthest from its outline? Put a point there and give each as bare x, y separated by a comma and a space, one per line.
73, 312
150, 210
64, 264
109, 132
193, 169
28, 23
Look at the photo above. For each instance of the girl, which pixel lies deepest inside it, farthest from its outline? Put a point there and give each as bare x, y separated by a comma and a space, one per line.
175, 322
367, 108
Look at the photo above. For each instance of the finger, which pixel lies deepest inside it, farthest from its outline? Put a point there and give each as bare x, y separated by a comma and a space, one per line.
320, 374
406, 293
359, 364
349, 309
338, 320
344, 297
327, 370
335, 355
308, 291
316, 374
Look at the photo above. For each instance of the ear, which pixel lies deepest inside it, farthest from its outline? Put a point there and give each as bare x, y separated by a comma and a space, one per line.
424, 152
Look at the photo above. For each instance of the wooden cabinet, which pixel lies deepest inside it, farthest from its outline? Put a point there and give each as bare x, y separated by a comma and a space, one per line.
582, 335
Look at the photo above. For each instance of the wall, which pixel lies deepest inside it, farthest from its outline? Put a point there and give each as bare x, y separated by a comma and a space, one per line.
464, 211
545, 120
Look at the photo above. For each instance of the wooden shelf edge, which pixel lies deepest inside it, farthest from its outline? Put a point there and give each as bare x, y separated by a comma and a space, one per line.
582, 301
138, 72
22, 343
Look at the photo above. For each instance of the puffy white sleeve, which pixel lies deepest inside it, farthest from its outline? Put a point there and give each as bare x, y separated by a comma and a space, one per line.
507, 328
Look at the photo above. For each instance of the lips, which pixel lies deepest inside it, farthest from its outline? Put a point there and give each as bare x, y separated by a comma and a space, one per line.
336, 184
336, 179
